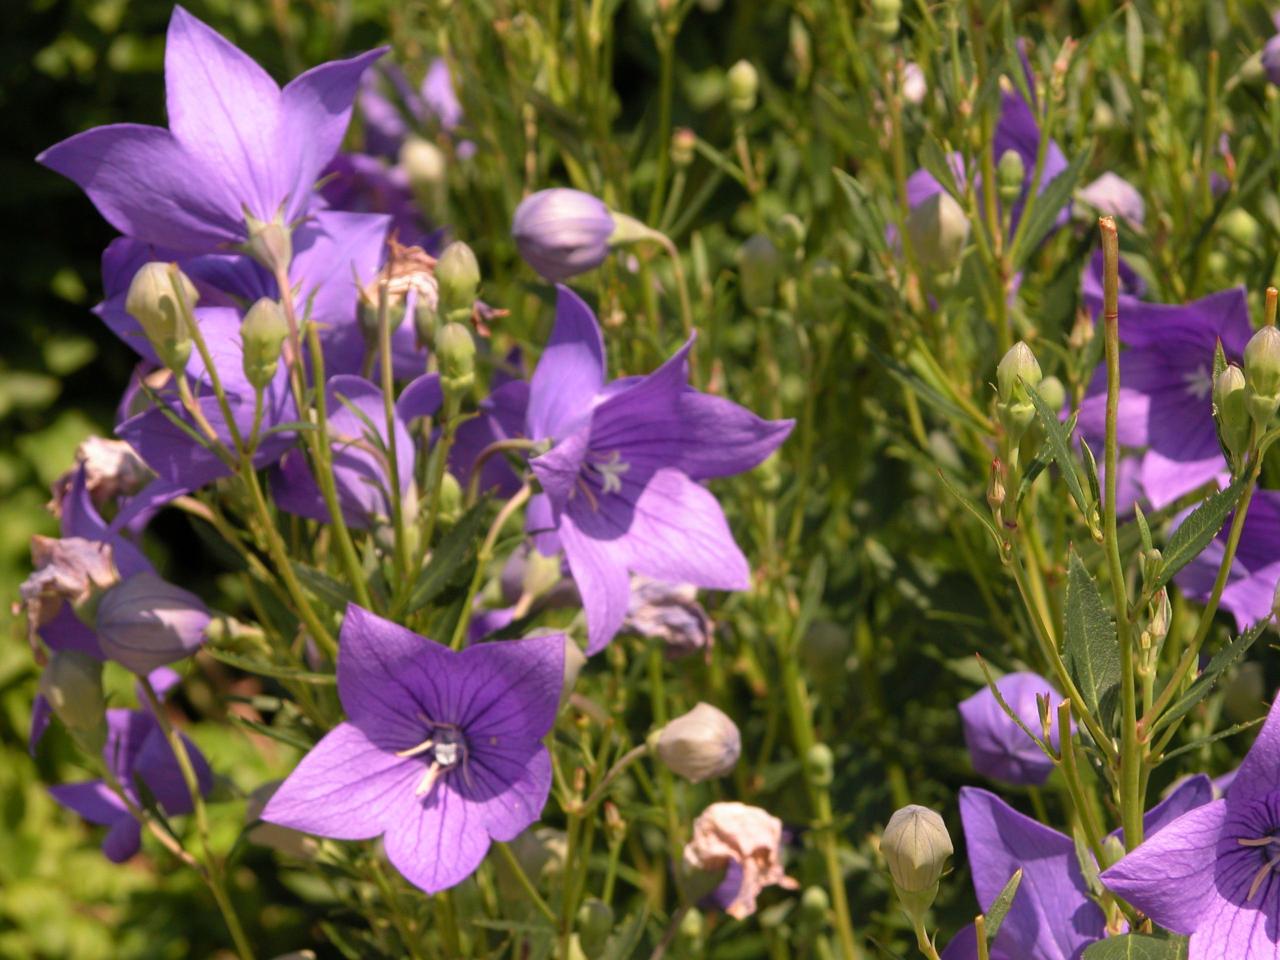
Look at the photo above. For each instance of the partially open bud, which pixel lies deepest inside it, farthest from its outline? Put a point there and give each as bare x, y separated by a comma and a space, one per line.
1232, 413
72, 683
71, 570
595, 923
1017, 370
270, 243
757, 272
683, 142
161, 298
1262, 375
562, 233
458, 279
702, 744
456, 351
916, 846
744, 86
262, 334
145, 622
1010, 175
939, 230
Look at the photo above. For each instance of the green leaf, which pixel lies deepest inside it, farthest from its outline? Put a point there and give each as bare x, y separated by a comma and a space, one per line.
1000, 906
1144, 530
1223, 659
1090, 464
984, 517
334, 594
451, 560
866, 215
1194, 534
1089, 647
1133, 41
1047, 205
264, 669
623, 944
1058, 442
1137, 946
926, 391
1230, 731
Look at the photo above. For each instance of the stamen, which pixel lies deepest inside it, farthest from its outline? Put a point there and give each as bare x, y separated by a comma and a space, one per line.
1261, 875
428, 781
586, 489
1265, 870
423, 747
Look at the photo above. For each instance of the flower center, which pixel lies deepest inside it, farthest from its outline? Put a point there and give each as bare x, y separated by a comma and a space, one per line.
604, 471
1270, 849
446, 747
1198, 382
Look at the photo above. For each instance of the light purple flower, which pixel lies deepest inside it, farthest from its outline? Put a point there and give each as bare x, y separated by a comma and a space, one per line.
1271, 59
1251, 583
1115, 196
1166, 381
391, 109
360, 183
562, 233
623, 479
998, 747
1210, 874
235, 141
441, 752
144, 623
136, 749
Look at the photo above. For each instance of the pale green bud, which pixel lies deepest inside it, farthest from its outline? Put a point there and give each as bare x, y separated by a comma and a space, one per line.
72, 683
700, 745
827, 284
1262, 376
758, 272
1232, 413
1010, 174
451, 500
692, 928
886, 16
939, 230
1052, 392
423, 163
1241, 227
819, 765
270, 243
456, 351
1017, 367
262, 334
815, 905
574, 661
744, 87
683, 142
161, 298
458, 278
916, 845
595, 923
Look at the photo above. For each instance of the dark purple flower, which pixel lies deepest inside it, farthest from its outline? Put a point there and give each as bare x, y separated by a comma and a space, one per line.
999, 748
235, 142
136, 749
1211, 873
562, 233
1166, 381
357, 426
441, 752
1251, 583
501, 416
622, 482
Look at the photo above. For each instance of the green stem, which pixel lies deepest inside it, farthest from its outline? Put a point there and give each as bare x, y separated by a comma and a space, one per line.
525, 883
401, 557
665, 36
483, 556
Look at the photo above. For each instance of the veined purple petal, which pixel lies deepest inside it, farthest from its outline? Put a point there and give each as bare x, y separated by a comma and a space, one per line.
570, 372
722, 438
440, 841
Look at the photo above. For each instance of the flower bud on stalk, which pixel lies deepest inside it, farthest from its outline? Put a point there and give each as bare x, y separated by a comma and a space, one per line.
683, 143
458, 277
456, 350
145, 622
562, 233
595, 923
1232, 414
757, 272
262, 334
1010, 175
161, 298
1017, 370
270, 243
916, 846
744, 86
702, 744
819, 765
1262, 376
72, 683
939, 230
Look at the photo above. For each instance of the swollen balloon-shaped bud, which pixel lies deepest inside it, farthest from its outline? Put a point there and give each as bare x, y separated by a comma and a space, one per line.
458, 277
702, 744
1010, 174
743, 83
161, 298
939, 230
146, 622
562, 233
915, 846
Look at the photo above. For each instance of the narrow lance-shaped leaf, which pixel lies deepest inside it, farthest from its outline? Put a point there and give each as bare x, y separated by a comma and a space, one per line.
1221, 660
1194, 534
1000, 906
1045, 207
1058, 441
1137, 946
1089, 648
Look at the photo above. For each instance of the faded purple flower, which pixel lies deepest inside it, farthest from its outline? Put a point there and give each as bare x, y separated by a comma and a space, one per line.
669, 612
112, 469
1166, 381
1251, 583
1115, 196
562, 233
998, 747
623, 479
1211, 873
68, 571
136, 749
745, 842
235, 142
441, 752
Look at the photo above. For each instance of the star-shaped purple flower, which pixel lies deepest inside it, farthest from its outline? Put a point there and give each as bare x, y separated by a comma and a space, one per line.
136, 749
236, 142
999, 748
622, 480
1211, 874
441, 753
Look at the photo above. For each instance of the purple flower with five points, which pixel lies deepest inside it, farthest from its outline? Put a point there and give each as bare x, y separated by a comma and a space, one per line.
236, 143
622, 480
999, 748
136, 749
1255, 571
441, 753
1211, 873
1166, 382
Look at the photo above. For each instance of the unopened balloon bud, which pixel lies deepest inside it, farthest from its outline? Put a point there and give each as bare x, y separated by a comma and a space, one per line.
683, 143
146, 622
270, 243
1262, 375
456, 351
1010, 175
426, 320
562, 233
700, 745
1238, 224
574, 661
424, 164
72, 684
1152, 561
1017, 370
819, 765
757, 272
886, 17
595, 923
790, 232
915, 846
458, 277
692, 929
743, 86
161, 298
451, 499
914, 84
262, 334
1052, 392
1231, 411
939, 231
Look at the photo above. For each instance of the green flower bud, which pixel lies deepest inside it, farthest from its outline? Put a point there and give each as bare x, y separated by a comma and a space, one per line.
885, 17
916, 846
1231, 411
262, 334
1241, 227
744, 86
819, 765
757, 272
450, 499
683, 142
1016, 367
270, 243
595, 923
574, 661
815, 906
939, 230
72, 683
161, 298
1052, 392
458, 277
1262, 375
1112, 851
456, 351
692, 928
790, 231
426, 320
1010, 175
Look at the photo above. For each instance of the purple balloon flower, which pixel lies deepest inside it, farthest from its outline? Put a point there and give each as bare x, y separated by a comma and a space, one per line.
1166, 379
144, 623
441, 752
1251, 583
622, 480
235, 142
562, 233
136, 749
1115, 196
999, 748
1211, 874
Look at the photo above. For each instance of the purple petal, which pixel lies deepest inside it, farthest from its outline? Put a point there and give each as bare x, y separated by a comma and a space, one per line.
1259, 773
158, 767
506, 786
964, 946
1170, 876
1115, 196
511, 690
123, 840
599, 568
421, 398
439, 840
92, 800
722, 438
997, 746
571, 371
41, 714
502, 417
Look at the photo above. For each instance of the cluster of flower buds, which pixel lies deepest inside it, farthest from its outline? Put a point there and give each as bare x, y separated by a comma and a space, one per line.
458, 280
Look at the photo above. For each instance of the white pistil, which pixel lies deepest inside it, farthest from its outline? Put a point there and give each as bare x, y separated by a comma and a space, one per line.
423, 747
611, 470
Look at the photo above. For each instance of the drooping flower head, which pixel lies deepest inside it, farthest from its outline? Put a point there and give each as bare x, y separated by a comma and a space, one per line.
236, 142
1211, 873
999, 748
441, 751
745, 842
